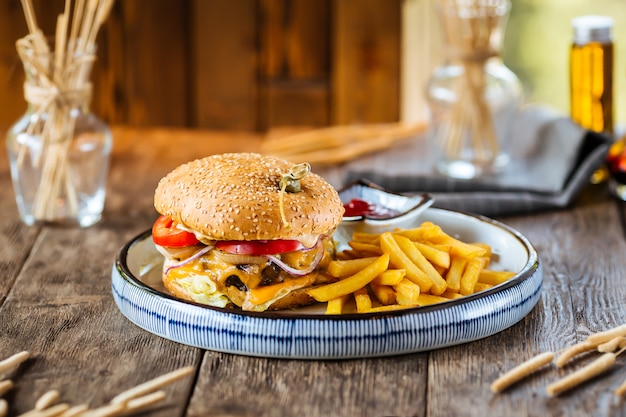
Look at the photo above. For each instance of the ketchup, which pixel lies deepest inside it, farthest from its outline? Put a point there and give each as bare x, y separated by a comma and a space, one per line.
359, 207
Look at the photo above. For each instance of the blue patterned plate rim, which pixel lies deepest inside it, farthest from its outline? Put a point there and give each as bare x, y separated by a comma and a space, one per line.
526, 272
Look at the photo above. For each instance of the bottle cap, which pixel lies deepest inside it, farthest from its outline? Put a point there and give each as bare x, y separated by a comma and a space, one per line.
592, 28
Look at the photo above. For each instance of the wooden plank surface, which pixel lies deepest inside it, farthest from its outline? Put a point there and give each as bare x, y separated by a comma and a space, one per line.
366, 69
55, 301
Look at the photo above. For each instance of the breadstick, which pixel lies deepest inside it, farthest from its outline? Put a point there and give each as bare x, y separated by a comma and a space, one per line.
75, 411
521, 371
149, 386
5, 386
137, 404
13, 361
108, 410
601, 337
54, 411
574, 350
47, 399
4, 407
585, 373
611, 345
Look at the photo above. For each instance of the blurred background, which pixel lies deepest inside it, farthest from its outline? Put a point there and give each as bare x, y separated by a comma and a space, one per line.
259, 64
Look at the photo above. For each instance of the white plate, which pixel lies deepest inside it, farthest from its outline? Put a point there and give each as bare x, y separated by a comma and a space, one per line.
308, 333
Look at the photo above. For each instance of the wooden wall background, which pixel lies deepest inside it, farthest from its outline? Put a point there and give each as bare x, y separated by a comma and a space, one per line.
230, 64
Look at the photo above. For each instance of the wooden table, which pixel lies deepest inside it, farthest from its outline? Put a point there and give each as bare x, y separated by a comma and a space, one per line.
56, 302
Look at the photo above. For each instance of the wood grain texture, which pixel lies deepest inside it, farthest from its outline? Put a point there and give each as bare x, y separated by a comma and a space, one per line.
366, 61
55, 301
244, 65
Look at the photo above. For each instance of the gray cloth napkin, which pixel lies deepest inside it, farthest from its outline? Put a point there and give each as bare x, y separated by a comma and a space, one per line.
552, 160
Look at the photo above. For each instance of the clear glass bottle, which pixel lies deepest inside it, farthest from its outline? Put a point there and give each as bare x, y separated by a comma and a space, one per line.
76, 194
58, 151
473, 97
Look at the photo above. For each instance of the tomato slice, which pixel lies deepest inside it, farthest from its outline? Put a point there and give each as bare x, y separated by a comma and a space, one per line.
165, 233
259, 247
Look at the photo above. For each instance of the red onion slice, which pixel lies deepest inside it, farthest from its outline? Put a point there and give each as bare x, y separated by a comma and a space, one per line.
191, 258
300, 272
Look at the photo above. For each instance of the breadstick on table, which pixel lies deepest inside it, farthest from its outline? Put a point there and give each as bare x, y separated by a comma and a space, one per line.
47, 399
109, 410
54, 411
595, 368
611, 345
152, 385
521, 371
605, 336
574, 350
137, 404
5, 386
75, 411
4, 407
13, 361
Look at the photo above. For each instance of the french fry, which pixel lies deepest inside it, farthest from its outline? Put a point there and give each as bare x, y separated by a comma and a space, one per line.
383, 293
452, 295
399, 259
470, 276
489, 276
390, 277
459, 248
344, 268
485, 246
426, 299
336, 305
435, 256
453, 277
363, 300
366, 248
352, 283
425, 232
407, 292
481, 286
371, 238
425, 265
438, 283
393, 307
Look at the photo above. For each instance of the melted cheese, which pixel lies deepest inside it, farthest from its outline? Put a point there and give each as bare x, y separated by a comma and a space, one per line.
212, 269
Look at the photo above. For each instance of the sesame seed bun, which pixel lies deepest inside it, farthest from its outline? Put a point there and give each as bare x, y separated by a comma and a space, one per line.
236, 196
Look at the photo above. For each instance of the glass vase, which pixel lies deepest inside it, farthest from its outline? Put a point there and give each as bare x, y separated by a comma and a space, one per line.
58, 151
473, 96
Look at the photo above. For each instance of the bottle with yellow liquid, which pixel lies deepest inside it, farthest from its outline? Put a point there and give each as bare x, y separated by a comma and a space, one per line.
591, 77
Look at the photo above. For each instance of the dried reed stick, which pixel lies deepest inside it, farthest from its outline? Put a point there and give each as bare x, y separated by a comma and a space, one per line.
57, 81
468, 28
595, 368
152, 385
521, 371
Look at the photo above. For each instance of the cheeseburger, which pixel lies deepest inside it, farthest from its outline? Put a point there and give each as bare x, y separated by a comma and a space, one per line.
245, 230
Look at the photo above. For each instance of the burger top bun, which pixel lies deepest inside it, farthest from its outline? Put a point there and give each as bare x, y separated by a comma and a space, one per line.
236, 196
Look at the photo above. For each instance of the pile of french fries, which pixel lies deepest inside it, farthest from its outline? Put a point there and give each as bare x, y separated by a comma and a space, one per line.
406, 268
